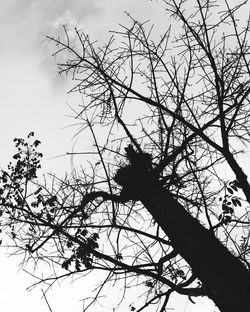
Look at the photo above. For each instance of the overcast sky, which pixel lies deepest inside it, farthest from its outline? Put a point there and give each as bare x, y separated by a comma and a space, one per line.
33, 98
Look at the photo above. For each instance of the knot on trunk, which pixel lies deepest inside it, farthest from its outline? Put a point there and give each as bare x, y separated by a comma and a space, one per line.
137, 177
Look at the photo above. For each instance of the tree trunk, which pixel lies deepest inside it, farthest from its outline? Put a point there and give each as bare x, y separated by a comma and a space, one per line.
224, 277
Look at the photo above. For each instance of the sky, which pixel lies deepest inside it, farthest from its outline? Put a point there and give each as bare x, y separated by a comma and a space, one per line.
34, 98
32, 95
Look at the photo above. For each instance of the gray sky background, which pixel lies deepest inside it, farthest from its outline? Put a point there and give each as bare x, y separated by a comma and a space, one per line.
33, 98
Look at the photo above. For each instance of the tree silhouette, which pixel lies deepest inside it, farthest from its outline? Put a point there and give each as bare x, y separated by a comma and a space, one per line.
154, 210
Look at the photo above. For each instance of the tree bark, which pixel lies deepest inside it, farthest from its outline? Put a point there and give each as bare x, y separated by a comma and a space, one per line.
224, 277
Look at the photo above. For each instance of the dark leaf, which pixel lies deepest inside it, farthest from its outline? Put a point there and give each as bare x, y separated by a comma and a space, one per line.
88, 265
234, 202
36, 143
16, 156
95, 236
30, 134
230, 190
234, 188
38, 191
84, 232
77, 265
238, 202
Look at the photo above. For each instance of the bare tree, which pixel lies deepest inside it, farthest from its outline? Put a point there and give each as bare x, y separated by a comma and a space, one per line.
153, 209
